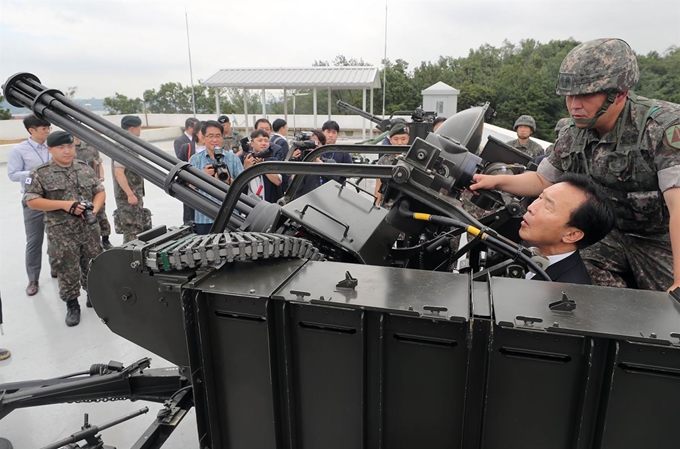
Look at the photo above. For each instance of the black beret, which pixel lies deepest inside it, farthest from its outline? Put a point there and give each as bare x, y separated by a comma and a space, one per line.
399, 128
223, 119
130, 120
59, 138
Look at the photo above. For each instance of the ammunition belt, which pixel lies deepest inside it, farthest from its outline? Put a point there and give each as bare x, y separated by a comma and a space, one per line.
194, 251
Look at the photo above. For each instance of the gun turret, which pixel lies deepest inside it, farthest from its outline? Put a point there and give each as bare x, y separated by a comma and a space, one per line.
420, 126
383, 124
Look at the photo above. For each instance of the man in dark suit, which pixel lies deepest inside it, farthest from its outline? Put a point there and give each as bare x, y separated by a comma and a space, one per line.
569, 215
279, 136
187, 136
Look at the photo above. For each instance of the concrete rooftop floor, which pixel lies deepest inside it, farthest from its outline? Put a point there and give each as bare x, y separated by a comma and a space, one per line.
44, 347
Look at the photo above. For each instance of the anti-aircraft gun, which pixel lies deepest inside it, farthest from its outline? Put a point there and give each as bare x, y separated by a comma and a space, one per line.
278, 348
420, 125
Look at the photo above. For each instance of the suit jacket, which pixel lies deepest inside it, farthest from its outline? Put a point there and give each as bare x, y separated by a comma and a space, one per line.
281, 142
186, 151
571, 270
181, 140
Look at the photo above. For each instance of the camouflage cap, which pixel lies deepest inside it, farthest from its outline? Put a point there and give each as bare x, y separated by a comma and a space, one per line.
399, 128
525, 120
129, 121
59, 138
600, 65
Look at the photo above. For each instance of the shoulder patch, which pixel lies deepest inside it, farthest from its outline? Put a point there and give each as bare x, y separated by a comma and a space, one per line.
671, 137
28, 181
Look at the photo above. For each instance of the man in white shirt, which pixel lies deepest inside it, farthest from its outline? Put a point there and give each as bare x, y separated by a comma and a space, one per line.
23, 158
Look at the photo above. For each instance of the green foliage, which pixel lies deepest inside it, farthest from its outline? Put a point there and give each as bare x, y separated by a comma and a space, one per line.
120, 104
71, 92
4, 113
515, 79
660, 75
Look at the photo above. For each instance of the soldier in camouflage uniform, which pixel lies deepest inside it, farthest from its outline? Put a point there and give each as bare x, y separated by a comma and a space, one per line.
58, 188
90, 155
232, 139
130, 218
631, 146
399, 135
525, 126
562, 124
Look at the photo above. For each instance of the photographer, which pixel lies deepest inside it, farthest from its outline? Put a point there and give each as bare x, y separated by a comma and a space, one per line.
310, 182
269, 186
214, 161
71, 194
278, 152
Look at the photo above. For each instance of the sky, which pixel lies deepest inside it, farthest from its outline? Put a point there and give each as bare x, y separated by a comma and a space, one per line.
126, 46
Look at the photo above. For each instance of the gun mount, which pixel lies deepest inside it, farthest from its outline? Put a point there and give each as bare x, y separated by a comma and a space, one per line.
276, 349
420, 125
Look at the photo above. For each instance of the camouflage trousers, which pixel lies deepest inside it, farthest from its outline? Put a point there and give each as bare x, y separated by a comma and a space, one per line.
103, 220
129, 220
71, 255
631, 260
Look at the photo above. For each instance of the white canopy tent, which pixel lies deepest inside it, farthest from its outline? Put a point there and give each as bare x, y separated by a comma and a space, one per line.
331, 78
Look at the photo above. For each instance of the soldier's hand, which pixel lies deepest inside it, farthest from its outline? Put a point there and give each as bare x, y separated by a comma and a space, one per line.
76, 209
209, 170
485, 182
132, 200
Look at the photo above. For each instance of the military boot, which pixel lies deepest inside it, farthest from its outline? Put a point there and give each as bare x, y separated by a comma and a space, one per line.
106, 244
72, 312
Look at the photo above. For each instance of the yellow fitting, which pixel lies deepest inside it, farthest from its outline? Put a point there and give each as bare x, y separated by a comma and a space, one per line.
421, 216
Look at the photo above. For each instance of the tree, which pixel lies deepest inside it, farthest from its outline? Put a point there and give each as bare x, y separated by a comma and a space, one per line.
71, 92
4, 113
400, 93
660, 75
120, 104
170, 98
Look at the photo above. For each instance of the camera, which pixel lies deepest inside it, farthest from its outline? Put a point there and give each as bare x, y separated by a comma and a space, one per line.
220, 166
248, 148
88, 215
303, 142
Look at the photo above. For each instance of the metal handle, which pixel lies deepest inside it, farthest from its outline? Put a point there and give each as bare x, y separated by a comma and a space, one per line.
326, 214
356, 186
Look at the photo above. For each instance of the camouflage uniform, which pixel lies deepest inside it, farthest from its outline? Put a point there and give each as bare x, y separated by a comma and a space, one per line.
129, 220
232, 141
72, 242
90, 155
635, 162
530, 148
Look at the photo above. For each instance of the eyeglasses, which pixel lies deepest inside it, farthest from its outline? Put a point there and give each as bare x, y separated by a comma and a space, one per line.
213, 136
